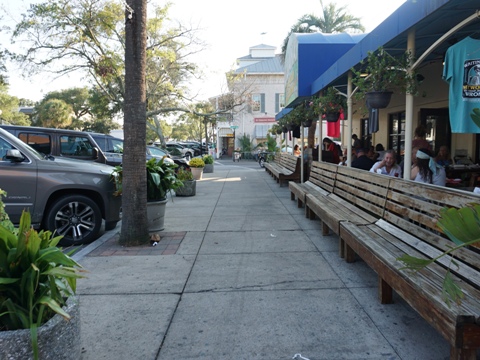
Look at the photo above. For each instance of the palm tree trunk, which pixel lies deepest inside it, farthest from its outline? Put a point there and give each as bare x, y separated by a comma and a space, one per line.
134, 199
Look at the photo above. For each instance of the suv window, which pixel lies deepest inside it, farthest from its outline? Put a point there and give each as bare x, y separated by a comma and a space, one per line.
109, 144
75, 146
40, 142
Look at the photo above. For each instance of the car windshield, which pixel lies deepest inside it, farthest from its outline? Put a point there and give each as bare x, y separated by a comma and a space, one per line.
156, 151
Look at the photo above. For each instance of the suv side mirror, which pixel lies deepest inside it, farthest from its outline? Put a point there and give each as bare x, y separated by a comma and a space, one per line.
95, 153
14, 155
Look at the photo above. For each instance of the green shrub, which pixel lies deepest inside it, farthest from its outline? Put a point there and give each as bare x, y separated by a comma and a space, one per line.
184, 175
36, 278
196, 163
208, 159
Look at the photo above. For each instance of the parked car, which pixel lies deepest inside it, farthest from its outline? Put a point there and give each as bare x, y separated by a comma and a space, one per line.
73, 144
66, 196
177, 149
158, 152
111, 146
197, 148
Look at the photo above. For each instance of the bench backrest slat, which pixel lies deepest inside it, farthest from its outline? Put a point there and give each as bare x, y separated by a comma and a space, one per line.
414, 207
361, 188
323, 174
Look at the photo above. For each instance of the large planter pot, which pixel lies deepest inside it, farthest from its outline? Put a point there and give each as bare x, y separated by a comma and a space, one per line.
156, 215
189, 188
208, 168
332, 116
57, 338
197, 173
378, 99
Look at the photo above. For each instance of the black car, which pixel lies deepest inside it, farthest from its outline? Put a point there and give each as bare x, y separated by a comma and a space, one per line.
158, 152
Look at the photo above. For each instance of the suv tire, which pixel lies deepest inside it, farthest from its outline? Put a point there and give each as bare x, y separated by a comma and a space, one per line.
188, 156
78, 218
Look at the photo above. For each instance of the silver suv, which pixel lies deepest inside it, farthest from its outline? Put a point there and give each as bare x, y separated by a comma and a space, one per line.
71, 197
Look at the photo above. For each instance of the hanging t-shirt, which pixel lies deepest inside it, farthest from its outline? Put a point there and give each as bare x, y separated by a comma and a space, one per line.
462, 72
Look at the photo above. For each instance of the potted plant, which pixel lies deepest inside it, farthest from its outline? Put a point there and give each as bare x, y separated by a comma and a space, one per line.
330, 104
189, 187
385, 74
196, 167
208, 160
37, 294
161, 180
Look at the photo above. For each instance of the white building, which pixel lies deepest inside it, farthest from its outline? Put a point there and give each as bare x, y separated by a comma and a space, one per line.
259, 82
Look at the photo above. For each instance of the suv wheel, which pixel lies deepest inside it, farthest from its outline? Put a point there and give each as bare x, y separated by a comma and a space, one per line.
188, 156
76, 217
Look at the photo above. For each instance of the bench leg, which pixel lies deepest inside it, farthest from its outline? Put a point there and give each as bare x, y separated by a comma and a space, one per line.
349, 254
385, 292
462, 354
310, 213
325, 229
341, 247
299, 203
292, 196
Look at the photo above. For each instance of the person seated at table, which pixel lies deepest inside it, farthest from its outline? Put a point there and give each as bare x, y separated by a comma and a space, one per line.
388, 165
362, 161
296, 150
330, 146
426, 170
443, 157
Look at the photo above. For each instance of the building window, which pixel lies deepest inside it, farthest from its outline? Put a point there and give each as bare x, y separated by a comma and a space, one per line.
279, 102
365, 135
258, 103
396, 131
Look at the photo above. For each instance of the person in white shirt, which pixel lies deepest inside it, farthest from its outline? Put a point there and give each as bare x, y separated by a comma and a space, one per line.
426, 170
388, 165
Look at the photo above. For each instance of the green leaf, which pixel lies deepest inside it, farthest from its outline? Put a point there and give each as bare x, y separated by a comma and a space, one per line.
451, 291
413, 263
461, 225
476, 116
52, 304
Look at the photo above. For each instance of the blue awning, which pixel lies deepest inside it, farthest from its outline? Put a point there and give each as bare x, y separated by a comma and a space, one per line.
308, 56
282, 113
430, 18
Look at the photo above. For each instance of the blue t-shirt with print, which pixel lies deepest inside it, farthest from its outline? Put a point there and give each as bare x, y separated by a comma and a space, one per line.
462, 72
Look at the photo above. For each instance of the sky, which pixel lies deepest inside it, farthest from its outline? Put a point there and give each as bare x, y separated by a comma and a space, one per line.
228, 28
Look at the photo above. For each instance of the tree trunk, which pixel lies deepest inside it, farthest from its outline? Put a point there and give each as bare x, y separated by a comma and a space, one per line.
134, 199
311, 135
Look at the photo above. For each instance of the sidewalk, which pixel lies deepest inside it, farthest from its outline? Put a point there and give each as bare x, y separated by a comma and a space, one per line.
240, 273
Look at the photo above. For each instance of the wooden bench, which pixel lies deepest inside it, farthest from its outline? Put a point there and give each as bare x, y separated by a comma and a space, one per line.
357, 196
381, 218
408, 226
320, 182
285, 168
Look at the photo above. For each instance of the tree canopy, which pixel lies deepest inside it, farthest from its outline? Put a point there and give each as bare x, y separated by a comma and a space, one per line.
9, 106
88, 36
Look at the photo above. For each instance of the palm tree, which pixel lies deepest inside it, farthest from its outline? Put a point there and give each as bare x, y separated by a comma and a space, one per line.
333, 20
